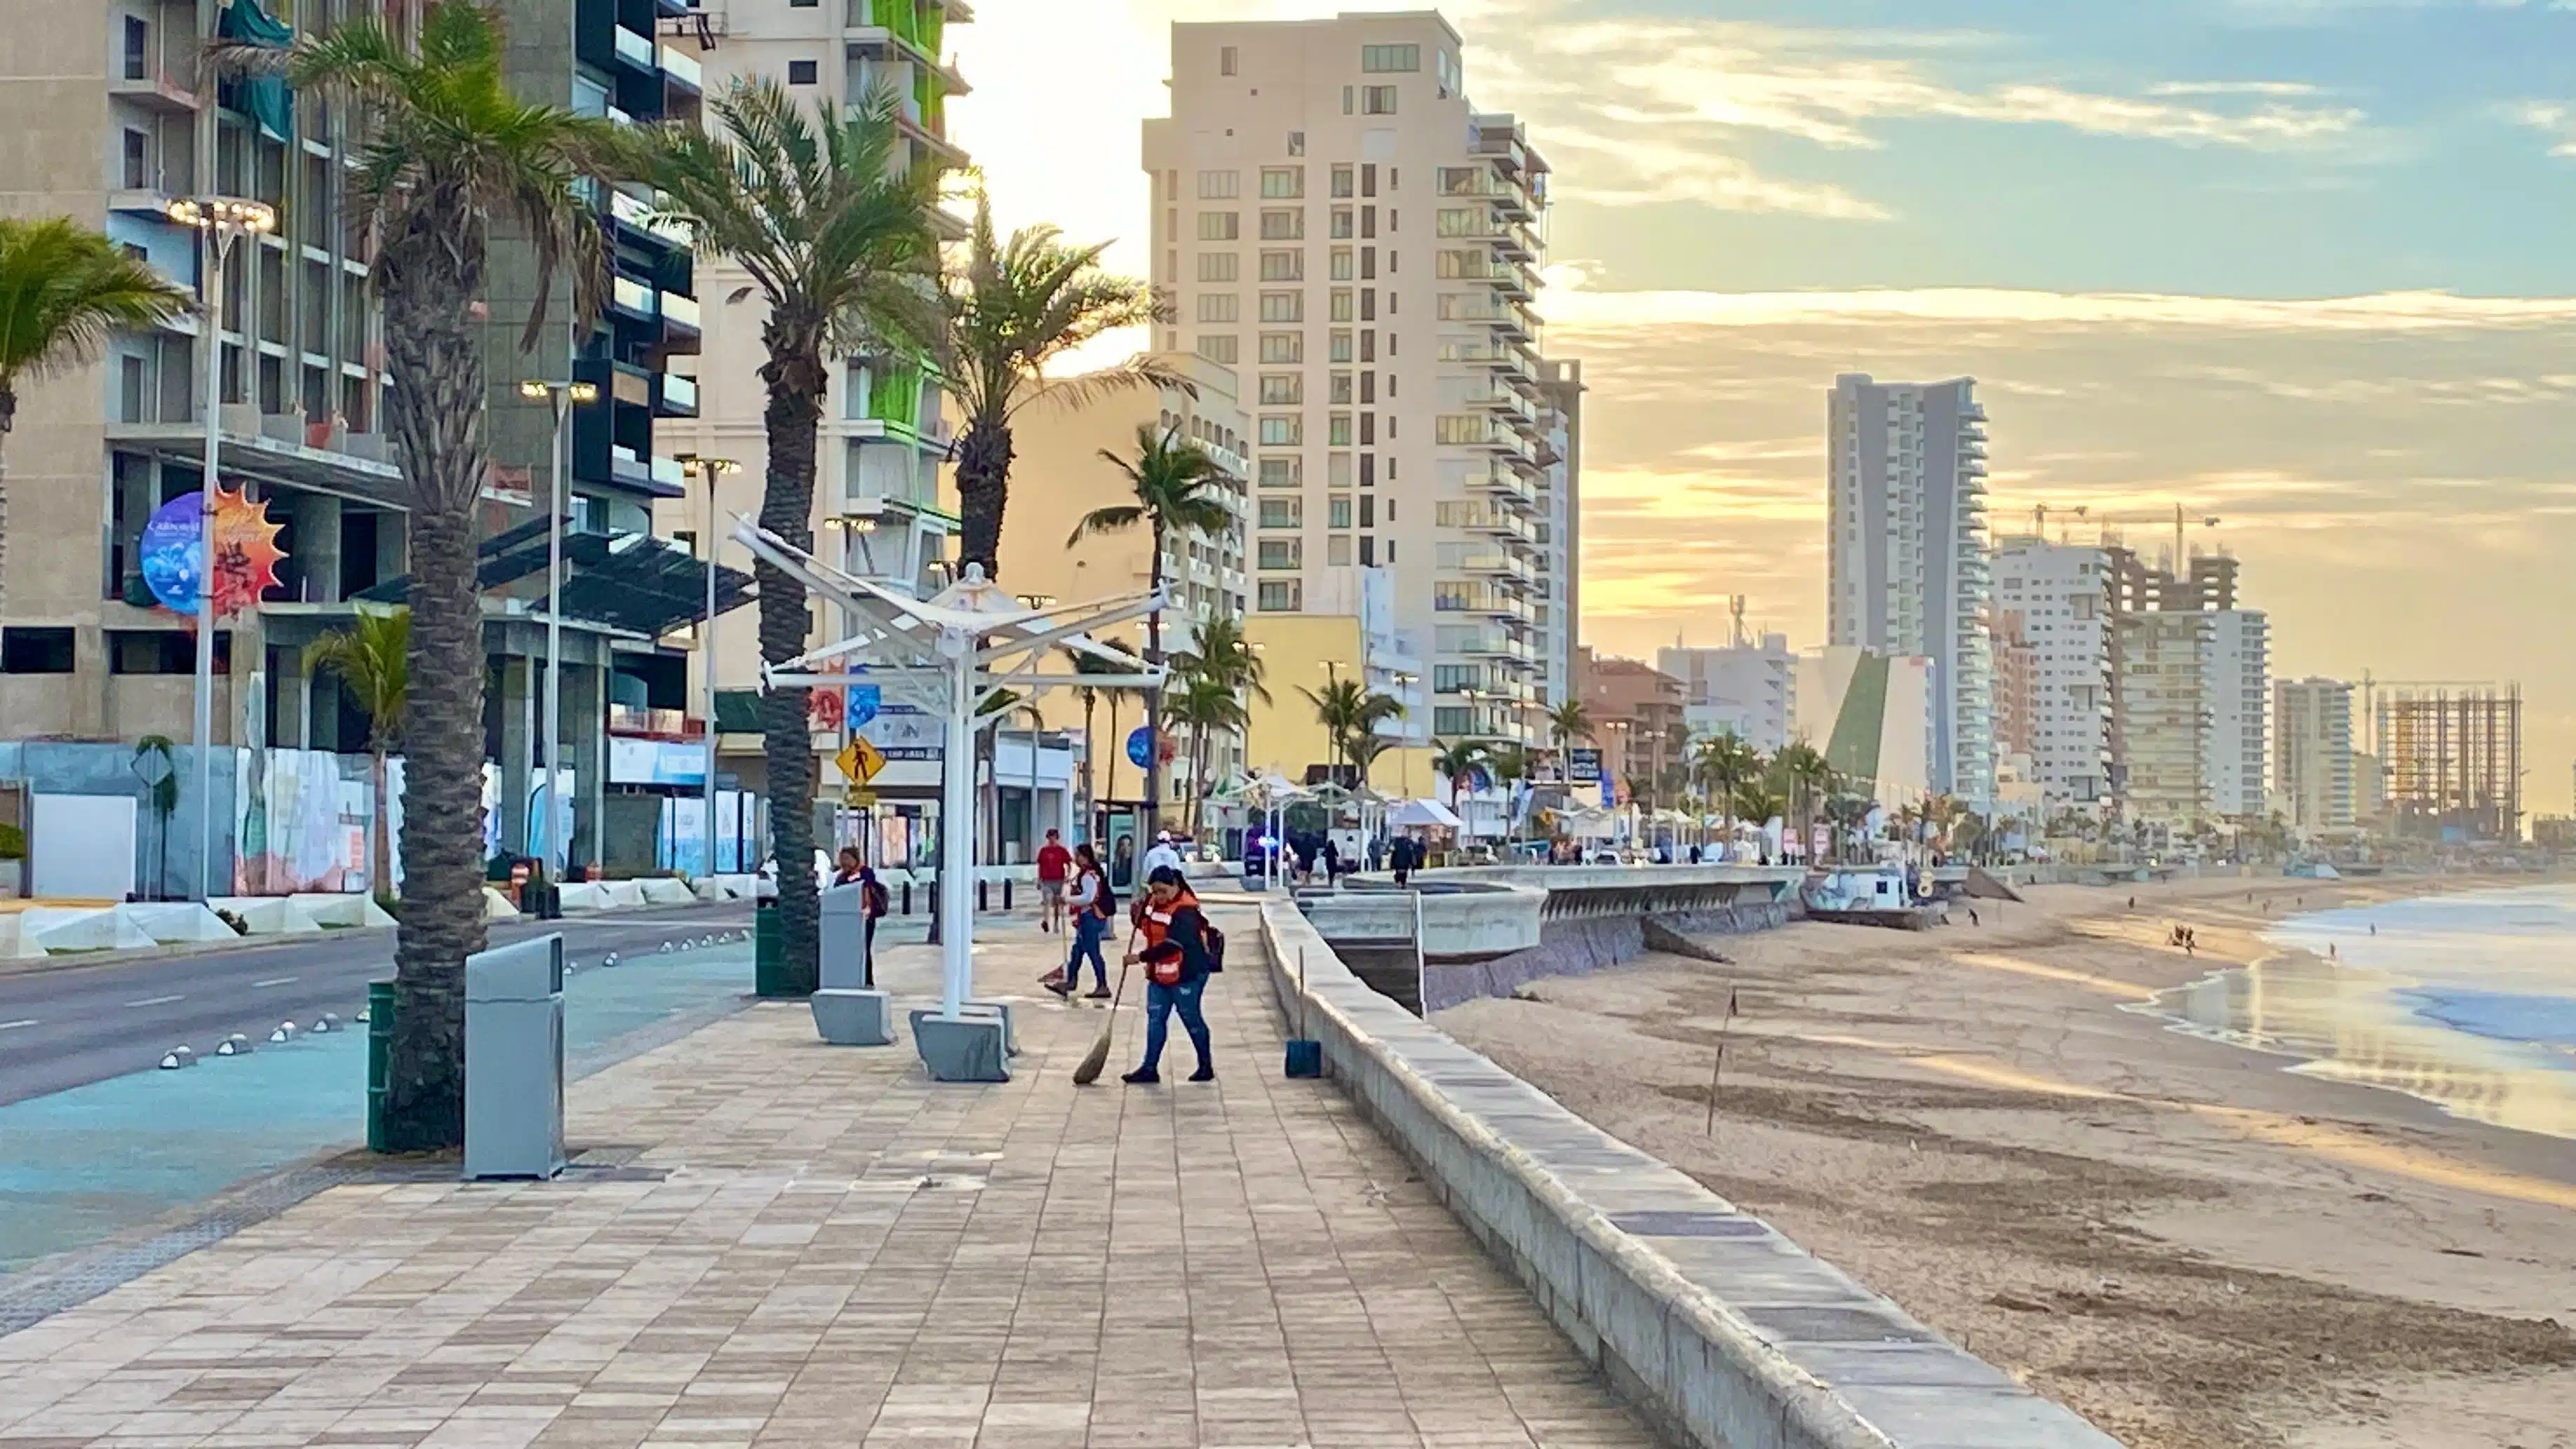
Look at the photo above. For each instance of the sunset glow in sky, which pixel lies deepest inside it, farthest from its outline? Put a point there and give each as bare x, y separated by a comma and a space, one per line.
2305, 265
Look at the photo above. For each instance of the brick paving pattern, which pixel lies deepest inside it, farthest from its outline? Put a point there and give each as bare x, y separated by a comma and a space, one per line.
809, 1246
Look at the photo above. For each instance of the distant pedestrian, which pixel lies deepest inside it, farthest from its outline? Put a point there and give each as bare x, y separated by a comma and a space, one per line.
1402, 855
874, 902
1088, 898
847, 868
1178, 964
1055, 864
1165, 855
1972, 917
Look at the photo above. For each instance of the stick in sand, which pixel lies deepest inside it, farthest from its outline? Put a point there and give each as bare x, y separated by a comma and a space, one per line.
1718, 1069
1098, 1057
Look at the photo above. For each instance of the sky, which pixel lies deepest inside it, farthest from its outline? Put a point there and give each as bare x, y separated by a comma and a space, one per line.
2303, 266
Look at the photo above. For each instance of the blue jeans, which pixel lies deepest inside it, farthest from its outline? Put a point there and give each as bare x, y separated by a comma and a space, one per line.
1159, 1002
1088, 928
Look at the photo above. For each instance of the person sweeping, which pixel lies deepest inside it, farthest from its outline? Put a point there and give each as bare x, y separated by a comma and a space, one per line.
1177, 956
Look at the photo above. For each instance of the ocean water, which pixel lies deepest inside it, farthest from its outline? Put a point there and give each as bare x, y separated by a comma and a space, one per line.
2465, 1000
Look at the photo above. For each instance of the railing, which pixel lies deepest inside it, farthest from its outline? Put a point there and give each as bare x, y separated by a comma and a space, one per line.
680, 310
635, 49
631, 295
682, 68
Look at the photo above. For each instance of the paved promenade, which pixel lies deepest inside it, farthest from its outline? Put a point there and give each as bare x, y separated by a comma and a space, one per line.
772, 1242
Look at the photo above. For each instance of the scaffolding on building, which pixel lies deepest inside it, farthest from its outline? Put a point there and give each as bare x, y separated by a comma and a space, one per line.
2451, 758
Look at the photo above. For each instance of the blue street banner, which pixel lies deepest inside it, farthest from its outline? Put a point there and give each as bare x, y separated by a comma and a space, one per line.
863, 703
1140, 746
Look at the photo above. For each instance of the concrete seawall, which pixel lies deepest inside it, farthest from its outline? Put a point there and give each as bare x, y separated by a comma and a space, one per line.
1723, 1332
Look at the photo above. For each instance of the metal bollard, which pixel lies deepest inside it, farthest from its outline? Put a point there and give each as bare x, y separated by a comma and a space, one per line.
983, 896
1006, 893
907, 899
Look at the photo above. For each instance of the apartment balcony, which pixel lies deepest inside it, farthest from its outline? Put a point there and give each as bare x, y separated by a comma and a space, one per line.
675, 395
632, 218
682, 72
159, 87
637, 301
324, 456
636, 52
681, 325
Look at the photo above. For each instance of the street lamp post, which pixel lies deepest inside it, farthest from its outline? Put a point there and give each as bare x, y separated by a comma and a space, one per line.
713, 470
562, 397
220, 221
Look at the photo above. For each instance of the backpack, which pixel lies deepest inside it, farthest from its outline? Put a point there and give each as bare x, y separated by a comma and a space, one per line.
1107, 904
1214, 940
878, 901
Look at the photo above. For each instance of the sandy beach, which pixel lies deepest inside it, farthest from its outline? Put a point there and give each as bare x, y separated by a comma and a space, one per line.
2175, 1235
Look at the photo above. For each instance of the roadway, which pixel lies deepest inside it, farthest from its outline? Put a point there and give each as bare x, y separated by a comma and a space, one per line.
66, 1027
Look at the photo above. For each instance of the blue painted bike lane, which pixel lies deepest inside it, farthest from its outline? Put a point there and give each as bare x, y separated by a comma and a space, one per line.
82, 1166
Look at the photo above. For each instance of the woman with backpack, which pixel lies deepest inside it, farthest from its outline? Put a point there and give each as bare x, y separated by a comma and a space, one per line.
1092, 906
1181, 950
874, 902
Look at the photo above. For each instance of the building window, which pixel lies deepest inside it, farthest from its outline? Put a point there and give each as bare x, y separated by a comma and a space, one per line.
1283, 224
1297, 145
1459, 428
1220, 306
1282, 553
1337, 550
1219, 266
39, 651
1282, 596
1377, 100
1338, 347
1283, 472
1342, 304
1225, 60
1338, 431
1283, 347
1453, 720
802, 72
1346, 100
1456, 678
1337, 470
1283, 430
1283, 183
1220, 226
1283, 389
138, 161
1289, 512
1220, 185
1218, 347
1341, 393
1337, 513
138, 48
1341, 182
1285, 266
1341, 223
1387, 59
159, 651
1283, 306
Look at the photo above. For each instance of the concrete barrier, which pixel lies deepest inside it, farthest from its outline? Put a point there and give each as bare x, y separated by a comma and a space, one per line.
174, 923
1720, 1330
269, 915
57, 929
342, 911
666, 892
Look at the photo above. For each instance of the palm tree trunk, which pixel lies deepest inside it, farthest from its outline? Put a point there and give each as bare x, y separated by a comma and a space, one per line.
8, 424
983, 487
1154, 696
434, 349
796, 380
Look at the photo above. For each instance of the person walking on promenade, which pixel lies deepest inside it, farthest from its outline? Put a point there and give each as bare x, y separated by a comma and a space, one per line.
1091, 903
874, 902
1054, 865
1177, 966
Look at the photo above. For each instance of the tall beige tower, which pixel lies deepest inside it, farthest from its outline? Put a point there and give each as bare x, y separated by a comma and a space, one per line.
1334, 220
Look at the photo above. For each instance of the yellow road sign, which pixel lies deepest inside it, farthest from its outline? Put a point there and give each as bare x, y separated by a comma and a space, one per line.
860, 760
858, 797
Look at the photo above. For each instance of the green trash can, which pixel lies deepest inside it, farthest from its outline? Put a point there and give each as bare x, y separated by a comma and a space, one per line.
769, 952
380, 1055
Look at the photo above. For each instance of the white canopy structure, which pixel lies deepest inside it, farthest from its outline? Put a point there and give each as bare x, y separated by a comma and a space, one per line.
1422, 814
944, 656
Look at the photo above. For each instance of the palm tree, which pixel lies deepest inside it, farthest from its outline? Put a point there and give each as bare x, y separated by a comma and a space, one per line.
1349, 712
1018, 308
1220, 652
1508, 764
1808, 778
838, 237
1205, 706
64, 291
1457, 761
1723, 763
373, 660
1177, 487
451, 155
1567, 722
1088, 663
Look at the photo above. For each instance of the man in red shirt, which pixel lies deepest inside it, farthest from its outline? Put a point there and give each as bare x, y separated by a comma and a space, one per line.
1055, 863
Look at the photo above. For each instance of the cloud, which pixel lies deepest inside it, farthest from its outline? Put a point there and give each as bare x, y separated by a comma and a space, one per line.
2554, 120
1661, 110
1568, 301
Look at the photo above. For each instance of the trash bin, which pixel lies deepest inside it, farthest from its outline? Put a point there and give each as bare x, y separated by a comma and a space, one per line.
847, 1012
514, 1060
380, 1052
768, 951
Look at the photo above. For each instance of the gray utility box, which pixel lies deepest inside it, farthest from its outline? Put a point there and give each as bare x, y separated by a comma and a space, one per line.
848, 1011
514, 1060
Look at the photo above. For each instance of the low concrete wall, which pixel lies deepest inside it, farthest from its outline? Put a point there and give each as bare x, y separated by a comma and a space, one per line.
1720, 1330
1581, 945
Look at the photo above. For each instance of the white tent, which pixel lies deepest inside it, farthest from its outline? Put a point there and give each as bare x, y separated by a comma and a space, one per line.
1420, 814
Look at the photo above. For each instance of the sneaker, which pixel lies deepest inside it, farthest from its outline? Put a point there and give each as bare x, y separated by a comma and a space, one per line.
1205, 1073
1063, 992
1097, 993
1142, 1077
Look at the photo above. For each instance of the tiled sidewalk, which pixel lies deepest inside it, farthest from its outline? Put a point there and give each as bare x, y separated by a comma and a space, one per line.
811, 1246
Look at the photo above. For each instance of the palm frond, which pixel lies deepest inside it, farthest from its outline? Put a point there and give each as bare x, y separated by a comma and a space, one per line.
65, 290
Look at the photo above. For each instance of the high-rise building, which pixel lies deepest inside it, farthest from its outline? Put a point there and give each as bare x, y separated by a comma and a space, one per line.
2452, 757
1336, 221
2055, 591
2163, 672
115, 119
1636, 713
2312, 757
1872, 717
1748, 690
2239, 695
1906, 553
1559, 592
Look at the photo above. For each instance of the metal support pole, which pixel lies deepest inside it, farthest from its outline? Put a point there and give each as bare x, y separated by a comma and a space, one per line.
714, 481
957, 831
554, 629
218, 247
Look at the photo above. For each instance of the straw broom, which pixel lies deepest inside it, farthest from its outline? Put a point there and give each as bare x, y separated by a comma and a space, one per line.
1098, 1057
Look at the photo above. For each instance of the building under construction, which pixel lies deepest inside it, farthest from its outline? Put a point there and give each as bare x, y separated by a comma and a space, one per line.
2450, 756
